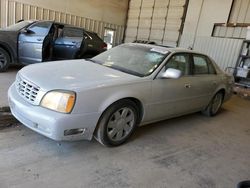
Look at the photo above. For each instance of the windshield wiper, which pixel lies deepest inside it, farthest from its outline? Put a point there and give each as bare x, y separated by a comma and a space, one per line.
125, 70
117, 68
94, 61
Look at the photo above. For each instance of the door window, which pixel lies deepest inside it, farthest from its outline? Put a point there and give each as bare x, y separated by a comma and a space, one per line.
40, 28
180, 62
72, 32
202, 65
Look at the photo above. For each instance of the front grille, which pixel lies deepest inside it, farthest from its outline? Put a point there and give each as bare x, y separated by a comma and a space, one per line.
26, 89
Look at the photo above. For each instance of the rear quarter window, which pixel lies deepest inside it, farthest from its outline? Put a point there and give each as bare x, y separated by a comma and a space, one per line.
94, 36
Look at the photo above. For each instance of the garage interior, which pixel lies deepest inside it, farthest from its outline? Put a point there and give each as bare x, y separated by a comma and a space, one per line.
189, 151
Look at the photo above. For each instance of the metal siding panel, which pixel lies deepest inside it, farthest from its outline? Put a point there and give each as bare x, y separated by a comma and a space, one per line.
133, 13
19, 11
135, 3
144, 23
160, 12
143, 34
156, 34
158, 24
147, 4
146, 13
224, 51
63, 18
229, 32
177, 3
161, 3
243, 11
132, 23
240, 12
15, 10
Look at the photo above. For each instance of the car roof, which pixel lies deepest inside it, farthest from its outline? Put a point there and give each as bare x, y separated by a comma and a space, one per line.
166, 48
65, 24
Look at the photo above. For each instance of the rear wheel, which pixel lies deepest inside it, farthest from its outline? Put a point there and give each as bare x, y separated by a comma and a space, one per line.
117, 123
4, 60
215, 105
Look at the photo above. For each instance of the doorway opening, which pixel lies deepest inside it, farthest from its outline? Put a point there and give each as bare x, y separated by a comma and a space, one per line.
109, 37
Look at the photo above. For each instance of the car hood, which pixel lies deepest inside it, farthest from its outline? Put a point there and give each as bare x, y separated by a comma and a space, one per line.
9, 37
4, 33
73, 75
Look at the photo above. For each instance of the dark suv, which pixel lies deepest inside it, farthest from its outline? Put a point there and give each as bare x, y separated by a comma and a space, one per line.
30, 42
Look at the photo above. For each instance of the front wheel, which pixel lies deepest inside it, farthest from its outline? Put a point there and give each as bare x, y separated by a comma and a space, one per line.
117, 123
4, 60
215, 105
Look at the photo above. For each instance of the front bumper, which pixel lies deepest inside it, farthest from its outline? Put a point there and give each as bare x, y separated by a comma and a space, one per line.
50, 123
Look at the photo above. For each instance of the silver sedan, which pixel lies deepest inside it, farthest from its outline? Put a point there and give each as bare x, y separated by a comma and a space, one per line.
112, 93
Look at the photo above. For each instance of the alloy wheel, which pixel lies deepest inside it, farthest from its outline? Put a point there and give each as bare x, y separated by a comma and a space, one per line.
120, 124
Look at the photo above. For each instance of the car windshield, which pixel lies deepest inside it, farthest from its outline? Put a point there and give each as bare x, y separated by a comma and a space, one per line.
133, 59
18, 26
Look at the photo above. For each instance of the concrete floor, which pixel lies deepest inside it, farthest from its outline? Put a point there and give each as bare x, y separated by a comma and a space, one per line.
187, 152
6, 79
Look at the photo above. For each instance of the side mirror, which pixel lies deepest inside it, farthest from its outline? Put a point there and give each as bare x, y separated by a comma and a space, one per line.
27, 31
171, 73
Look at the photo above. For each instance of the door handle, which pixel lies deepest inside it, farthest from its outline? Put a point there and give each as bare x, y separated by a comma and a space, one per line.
39, 39
187, 85
73, 42
214, 83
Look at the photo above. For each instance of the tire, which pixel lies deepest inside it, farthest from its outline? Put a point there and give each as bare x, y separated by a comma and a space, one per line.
214, 106
4, 60
244, 184
117, 123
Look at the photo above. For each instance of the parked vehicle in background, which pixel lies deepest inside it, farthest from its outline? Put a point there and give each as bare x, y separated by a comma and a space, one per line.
109, 95
29, 42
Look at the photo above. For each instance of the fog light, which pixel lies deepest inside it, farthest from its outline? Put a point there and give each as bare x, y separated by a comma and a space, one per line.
74, 131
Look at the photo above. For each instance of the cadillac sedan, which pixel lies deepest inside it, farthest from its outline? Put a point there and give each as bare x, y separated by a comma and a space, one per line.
107, 96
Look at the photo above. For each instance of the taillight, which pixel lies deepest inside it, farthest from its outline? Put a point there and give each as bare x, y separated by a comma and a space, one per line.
104, 46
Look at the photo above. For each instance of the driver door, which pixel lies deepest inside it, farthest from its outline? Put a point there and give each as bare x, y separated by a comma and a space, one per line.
31, 42
173, 97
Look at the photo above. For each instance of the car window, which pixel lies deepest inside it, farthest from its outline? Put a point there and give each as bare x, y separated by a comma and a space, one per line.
72, 32
94, 36
18, 26
180, 62
41, 28
211, 68
86, 36
133, 59
200, 65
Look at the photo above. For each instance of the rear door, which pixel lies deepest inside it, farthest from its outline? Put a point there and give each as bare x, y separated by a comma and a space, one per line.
70, 44
30, 43
204, 80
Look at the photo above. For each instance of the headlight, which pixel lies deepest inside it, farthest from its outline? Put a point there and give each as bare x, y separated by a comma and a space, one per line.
60, 101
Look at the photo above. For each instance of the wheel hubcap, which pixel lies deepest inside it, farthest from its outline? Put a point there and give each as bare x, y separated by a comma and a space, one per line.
120, 124
3, 60
216, 103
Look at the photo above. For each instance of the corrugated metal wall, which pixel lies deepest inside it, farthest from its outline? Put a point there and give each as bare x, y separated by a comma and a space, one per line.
240, 13
12, 11
155, 20
223, 50
230, 32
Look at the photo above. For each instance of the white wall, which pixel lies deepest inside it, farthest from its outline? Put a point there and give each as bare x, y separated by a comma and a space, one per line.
93, 15
111, 11
201, 16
